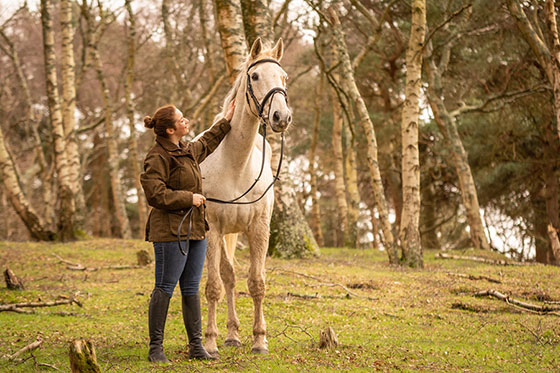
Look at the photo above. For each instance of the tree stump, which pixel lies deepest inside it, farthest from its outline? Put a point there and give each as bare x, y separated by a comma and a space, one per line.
143, 258
12, 281
82, 357
327, 338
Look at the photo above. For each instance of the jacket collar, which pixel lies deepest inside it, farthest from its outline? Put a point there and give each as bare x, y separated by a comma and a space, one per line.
165, 143
171, 148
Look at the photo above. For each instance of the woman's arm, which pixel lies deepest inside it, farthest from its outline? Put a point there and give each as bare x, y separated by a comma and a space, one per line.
210, 140
158, 195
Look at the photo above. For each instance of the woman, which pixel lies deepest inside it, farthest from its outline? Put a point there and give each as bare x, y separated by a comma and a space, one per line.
172, 183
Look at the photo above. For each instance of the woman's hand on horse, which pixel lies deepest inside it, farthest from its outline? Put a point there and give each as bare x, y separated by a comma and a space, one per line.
198, 199
230, 111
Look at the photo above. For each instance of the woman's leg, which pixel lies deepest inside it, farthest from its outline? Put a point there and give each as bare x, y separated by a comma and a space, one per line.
192, 272
189, 283
169, 266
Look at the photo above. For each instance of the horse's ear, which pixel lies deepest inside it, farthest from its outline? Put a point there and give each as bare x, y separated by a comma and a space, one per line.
278, 50
256, 49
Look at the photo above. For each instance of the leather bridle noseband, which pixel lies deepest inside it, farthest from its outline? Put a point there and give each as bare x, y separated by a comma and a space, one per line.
260, 114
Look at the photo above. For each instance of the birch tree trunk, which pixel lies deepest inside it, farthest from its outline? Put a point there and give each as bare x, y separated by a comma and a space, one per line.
315, 209
409, 233
31, 123
113, 157
290, 234
65, 194
257, 21
69, 109
8, 172
352, 238
339, 186
232, 35
347, 76
132, 143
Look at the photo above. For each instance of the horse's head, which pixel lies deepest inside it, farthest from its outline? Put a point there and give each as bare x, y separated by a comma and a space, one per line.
266, 85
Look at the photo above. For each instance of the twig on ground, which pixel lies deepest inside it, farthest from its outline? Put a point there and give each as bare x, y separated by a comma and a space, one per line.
323, 282
542, 310
318, 296
482, 260
475, 278
17, 307
48, 366
30, 347
78, 267
537, 337
288, 326
304, 296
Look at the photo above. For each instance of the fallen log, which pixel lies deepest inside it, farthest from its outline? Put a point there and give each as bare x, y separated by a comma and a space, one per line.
82, 357
545, 309
482, 260
12, 281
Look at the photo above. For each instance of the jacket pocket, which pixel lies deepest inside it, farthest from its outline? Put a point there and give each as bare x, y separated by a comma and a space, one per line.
174, 221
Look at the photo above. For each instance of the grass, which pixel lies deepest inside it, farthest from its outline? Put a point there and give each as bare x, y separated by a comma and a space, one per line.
403, 319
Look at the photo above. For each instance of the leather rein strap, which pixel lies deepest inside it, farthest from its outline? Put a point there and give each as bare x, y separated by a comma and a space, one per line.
260, 111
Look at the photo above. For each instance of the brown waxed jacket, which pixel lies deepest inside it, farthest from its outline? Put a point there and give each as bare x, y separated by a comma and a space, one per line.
171, 176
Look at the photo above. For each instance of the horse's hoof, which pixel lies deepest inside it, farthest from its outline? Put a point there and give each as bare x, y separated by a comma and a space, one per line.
259, 350
232, 343
214, 353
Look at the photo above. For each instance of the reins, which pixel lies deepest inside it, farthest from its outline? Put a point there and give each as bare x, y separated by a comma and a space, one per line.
260, 110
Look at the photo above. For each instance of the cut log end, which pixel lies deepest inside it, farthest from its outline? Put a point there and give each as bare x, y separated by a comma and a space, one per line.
328, 339
12, 281
82, 357
143, 258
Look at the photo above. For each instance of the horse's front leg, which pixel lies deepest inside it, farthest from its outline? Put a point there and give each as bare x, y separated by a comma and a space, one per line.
228, 276
213, 289
258, 237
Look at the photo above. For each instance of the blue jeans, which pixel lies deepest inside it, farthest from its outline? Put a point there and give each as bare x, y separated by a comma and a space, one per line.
173, 267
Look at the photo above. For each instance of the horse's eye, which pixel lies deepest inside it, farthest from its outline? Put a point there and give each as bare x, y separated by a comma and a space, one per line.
255, 76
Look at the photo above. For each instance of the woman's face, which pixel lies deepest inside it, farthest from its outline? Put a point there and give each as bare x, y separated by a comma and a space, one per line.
181, 124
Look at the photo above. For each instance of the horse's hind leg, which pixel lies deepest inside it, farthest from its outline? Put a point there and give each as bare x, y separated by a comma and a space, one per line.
258, 242
228, 277
213, 289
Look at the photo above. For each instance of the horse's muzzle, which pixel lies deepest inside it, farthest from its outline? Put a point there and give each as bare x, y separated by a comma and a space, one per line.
280, 122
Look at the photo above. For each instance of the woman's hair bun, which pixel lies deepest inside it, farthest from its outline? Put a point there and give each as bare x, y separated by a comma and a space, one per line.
148, 122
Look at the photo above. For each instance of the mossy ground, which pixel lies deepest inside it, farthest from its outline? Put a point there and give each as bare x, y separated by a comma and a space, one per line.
403, 321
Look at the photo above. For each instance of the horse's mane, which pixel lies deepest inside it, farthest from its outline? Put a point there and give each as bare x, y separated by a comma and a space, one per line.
239, 80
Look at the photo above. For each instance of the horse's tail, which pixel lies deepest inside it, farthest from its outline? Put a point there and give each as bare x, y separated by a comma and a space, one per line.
231, 243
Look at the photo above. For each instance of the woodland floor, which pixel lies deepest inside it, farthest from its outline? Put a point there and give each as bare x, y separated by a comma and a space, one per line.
395, 319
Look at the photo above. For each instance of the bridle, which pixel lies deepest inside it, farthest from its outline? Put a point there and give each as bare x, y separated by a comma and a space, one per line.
249, 93
269, 96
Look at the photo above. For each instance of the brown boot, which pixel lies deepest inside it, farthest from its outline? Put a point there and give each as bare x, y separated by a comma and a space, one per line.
191, 317
157, 314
